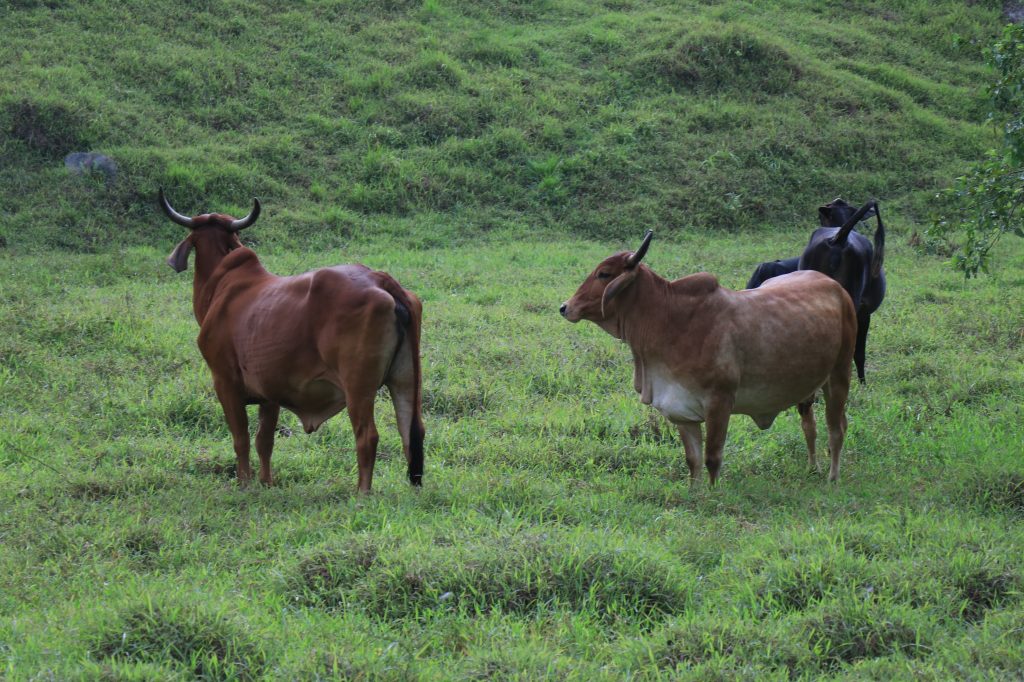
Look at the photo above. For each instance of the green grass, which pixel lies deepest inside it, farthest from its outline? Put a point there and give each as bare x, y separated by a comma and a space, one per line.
489, 155
555, 535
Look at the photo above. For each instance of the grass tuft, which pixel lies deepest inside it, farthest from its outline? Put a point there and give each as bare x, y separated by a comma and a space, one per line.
852, 631
324, 577
1000, 491
986, 588
208, 645
521, 575
728, 58
697, 643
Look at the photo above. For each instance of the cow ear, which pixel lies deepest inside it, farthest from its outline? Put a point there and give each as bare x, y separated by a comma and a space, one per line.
825, 215
179, 257
617, 286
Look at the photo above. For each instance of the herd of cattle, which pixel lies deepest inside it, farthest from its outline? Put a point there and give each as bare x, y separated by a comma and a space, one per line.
328, 339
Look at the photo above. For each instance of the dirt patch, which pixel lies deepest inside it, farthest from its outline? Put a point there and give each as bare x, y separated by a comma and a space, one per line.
94, 487
203, 465
653, 429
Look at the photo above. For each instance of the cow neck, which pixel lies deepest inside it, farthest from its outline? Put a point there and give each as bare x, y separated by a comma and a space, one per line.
653, 311
637, 313
210, 269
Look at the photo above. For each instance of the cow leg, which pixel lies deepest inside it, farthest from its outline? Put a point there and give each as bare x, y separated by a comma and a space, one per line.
360, 413
806, 410
860, 349
690, 433
265, 439
717, 419
233, 405
836, 391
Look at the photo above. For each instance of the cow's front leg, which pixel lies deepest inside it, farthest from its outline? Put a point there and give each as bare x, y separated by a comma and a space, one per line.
717, 419
233, 404
690, 433
265, 439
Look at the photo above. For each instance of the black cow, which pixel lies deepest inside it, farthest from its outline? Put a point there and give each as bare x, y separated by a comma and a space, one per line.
837, 212
833, 214
766, 271
846, 256
851, 259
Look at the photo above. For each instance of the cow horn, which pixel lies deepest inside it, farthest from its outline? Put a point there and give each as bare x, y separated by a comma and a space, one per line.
248, 220
174, 215
638, 256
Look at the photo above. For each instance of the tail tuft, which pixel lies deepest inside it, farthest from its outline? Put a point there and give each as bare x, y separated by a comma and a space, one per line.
416, 433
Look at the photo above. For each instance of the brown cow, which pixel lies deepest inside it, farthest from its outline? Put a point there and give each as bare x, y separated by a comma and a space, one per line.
702, 352
313, 343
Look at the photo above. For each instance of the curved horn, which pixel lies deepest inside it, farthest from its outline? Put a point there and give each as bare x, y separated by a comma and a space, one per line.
248, 220
639, 254
174, 215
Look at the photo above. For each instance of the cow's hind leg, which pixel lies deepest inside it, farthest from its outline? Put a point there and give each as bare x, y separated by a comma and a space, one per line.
836, 391
233, 405
806, 410
860, 349
265, 439
369, 351
360, 413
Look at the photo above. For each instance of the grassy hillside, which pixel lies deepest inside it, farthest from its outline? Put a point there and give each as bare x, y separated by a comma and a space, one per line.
441, 121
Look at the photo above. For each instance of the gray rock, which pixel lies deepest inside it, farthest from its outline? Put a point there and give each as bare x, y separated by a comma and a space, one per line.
1014, 11
90, 162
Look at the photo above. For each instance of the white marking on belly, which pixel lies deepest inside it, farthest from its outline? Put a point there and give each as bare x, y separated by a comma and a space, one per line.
671, 398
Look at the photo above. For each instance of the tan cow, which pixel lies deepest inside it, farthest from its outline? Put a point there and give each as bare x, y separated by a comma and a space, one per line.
314, 343
702, 352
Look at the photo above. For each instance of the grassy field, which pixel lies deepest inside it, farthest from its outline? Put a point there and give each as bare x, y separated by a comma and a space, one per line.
555, 534
489, 155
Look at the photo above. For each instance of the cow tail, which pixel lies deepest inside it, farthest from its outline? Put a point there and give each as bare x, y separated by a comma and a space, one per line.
878, 256
416, 430
409, 320
844, 231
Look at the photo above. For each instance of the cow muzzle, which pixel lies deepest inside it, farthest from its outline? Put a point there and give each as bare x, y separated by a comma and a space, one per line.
569, 314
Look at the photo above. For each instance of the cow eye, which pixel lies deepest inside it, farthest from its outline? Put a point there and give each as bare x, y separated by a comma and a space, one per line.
603, 275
